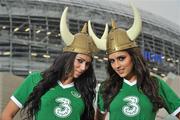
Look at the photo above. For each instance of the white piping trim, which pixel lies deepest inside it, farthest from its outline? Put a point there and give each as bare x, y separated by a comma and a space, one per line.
16, 102
130, 83
176, 112
102, 112
66, 86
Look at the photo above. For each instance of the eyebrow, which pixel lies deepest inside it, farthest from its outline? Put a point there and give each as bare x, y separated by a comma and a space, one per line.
84, 59
117, 57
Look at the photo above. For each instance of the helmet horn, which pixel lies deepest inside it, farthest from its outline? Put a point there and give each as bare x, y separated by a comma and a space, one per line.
100, 43
66, 35
135, 30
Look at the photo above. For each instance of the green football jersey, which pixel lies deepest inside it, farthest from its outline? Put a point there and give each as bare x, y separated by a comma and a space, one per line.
62, 102
132, 104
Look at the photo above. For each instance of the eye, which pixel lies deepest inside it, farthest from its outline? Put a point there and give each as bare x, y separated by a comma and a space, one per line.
111, 61
88, 63
121, 58
80, 61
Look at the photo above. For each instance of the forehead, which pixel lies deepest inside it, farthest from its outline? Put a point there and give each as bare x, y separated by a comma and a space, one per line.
117, 54
84, 57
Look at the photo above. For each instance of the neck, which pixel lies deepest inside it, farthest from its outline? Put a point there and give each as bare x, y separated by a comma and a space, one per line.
67, 81
131, 78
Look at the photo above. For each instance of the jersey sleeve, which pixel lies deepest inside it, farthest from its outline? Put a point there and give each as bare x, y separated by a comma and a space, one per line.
21, 94
100, 102
171, 100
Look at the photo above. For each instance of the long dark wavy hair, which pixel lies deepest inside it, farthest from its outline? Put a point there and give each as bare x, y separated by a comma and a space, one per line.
63, 65
146, 83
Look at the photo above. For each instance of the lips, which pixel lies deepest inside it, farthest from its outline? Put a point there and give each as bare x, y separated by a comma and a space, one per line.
78, 73
120, 71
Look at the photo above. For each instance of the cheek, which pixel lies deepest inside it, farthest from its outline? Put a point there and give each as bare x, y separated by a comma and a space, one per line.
128, 63
76, 64
87, 67
130, 67
113, 67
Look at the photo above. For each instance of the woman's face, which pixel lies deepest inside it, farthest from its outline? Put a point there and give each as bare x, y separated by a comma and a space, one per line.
122, 64
81, 64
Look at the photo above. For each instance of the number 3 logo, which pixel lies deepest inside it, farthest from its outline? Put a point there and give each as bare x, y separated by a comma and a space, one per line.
132, 108
64, 109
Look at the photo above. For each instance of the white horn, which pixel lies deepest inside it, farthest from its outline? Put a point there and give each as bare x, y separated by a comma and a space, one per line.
100, 43
135, 30
66, 35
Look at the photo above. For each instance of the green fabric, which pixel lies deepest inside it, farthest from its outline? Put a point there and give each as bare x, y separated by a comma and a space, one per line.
131, 104
172, 101
23, 91
56, 104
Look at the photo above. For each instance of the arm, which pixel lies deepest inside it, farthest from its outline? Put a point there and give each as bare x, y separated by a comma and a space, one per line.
101, 113
20, 96
10, 111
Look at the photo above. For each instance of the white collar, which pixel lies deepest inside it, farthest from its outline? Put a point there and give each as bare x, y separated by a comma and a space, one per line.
65, 86
130, 83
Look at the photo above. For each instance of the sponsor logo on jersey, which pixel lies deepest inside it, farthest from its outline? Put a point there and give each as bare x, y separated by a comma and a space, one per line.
131, 108
52, 89
75, 94
64, 109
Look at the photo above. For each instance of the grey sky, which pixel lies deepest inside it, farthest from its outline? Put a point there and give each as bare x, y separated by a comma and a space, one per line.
168, 9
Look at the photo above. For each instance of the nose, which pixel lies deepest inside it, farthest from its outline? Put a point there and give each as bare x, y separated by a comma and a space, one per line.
117, 64
83, 67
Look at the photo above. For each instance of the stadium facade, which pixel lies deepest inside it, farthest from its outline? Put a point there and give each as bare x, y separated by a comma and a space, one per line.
30, 38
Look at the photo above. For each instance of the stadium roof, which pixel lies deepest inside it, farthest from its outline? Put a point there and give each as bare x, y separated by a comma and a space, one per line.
118, 8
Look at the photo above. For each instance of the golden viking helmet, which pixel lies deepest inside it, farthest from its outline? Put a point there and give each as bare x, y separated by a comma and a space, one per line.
120, 39
78, 43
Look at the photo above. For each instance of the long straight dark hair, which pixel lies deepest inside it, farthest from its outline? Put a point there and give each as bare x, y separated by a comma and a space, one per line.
62, 65
145, 82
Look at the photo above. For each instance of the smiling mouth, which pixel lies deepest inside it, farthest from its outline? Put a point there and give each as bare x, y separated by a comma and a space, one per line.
120, 71
78, 72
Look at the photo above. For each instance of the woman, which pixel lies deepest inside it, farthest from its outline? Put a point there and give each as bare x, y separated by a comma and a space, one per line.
65, 91
131, 93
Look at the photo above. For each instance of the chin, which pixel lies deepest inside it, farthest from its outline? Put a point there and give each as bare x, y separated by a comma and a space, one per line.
122, 75
76, 76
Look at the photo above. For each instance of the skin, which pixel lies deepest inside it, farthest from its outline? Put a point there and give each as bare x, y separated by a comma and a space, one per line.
81, 64
10, 111
122, 64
